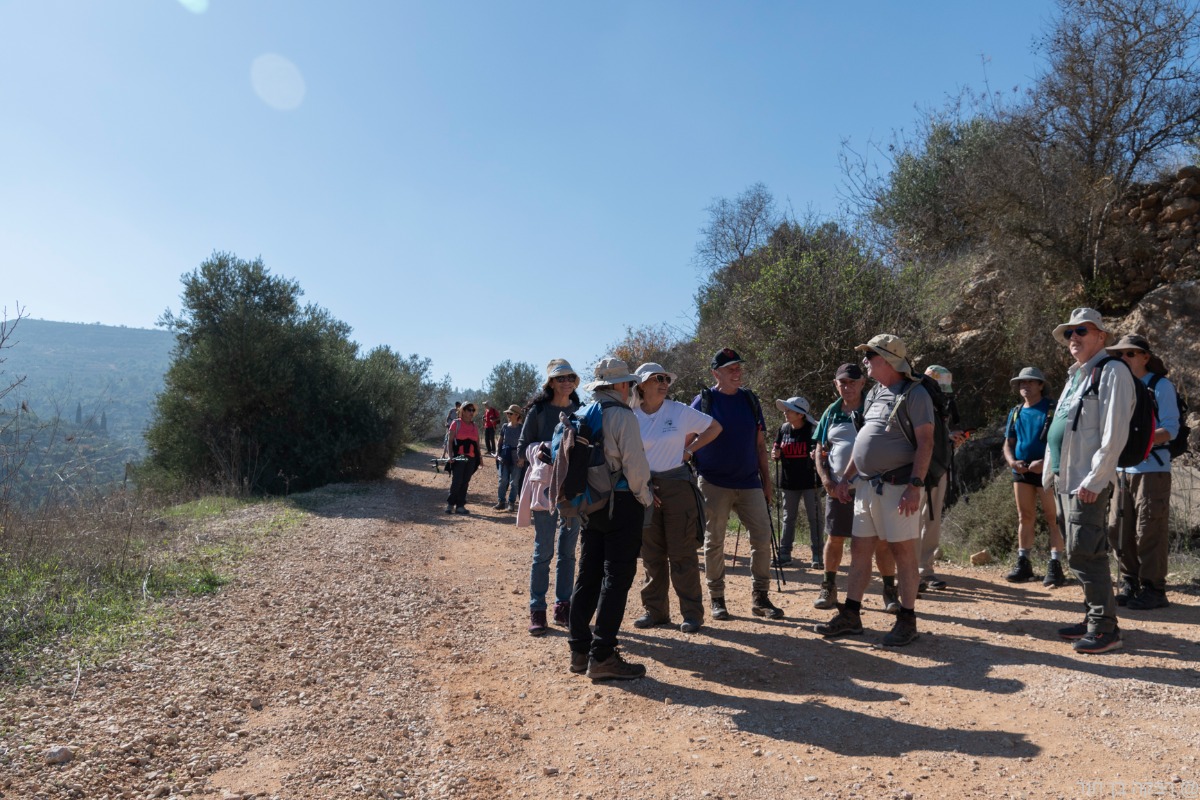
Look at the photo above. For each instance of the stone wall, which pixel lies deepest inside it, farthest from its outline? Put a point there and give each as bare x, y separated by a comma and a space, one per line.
1156, 227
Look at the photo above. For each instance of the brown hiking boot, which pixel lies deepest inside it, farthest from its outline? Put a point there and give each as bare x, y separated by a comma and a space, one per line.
828, 596
762, 607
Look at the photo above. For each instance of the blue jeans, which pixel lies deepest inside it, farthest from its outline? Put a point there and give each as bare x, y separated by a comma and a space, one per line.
547, 528
510, 483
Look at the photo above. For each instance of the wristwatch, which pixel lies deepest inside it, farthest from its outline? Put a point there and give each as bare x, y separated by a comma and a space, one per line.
915, 481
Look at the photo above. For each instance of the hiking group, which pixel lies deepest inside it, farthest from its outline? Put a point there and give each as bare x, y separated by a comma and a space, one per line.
635, 474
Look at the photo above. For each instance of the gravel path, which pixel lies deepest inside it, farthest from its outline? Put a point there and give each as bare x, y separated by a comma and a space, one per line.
378, 649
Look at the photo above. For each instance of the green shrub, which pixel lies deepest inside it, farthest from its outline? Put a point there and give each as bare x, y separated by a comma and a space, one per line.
986, 519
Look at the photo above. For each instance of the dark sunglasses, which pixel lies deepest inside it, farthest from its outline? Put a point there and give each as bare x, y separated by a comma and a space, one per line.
565, 378
1132, 353
661, 378
1081, 332
470, 409
868, 355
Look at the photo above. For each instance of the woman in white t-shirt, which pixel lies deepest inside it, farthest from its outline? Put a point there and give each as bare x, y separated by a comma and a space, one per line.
671, 433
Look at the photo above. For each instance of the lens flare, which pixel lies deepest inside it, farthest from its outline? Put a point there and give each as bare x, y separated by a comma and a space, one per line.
195, 6
277, 82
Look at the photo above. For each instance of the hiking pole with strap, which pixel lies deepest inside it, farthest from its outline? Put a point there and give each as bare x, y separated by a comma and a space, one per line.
779, 579
737, 542
778, 506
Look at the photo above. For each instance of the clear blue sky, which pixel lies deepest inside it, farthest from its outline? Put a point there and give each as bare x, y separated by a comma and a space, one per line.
439, 174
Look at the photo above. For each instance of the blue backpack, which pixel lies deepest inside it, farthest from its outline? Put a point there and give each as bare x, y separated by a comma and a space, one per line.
582, 482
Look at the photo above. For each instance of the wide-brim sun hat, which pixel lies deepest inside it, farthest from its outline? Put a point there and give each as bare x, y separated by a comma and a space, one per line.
893, 350
514, 409
609, 372
797, 404
1029, 374
559, 366
648, 370
1131, 341
1078, 317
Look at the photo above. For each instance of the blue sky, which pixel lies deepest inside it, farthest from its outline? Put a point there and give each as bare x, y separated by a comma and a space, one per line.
470, 181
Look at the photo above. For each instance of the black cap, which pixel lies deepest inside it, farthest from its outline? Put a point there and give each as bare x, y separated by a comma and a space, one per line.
723, 358
851, 371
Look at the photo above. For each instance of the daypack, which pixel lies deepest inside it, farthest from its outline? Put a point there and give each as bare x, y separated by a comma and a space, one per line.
1141, 424
582, 482
751, 398
943, 446
1179, 445
1045, 431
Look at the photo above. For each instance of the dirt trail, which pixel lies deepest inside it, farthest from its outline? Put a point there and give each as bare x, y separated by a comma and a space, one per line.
378, 649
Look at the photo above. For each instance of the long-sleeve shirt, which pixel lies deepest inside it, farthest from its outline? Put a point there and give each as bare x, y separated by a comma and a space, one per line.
1088, 455
623, 449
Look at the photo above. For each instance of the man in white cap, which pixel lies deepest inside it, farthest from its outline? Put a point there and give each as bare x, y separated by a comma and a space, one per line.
1086, 436
735, 475
890, 472
612, 538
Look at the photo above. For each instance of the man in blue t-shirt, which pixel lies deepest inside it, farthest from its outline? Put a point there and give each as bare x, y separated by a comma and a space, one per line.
735, 476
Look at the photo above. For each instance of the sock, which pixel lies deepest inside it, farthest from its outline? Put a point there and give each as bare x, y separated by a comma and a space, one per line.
1022, 552
911, 613
831, 577
1054, 555
889, 581
853, 607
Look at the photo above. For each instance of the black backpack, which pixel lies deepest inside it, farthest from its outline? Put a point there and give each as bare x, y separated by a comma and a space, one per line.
1141, 424
1179, 445
943, 447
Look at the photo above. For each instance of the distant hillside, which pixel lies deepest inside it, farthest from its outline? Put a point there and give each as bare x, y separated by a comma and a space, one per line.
99, 372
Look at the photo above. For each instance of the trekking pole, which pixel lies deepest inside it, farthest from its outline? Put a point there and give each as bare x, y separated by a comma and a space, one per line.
737, 542
779, 579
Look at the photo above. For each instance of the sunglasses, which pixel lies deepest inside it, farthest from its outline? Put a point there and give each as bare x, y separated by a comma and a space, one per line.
1132, 353
565, 378
469, 409
661, 378
1081, 332
869, 355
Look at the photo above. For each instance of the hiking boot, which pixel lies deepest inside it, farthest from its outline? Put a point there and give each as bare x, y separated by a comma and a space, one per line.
499, 506
844, 624
781, 560
562, 613
763, 607
1054, 574
1073, 632
614, 668
649, 621
719, 611
461, 510
537, 622
1129, 589
828, 596
1148, 598
935, 583
689, 626
818, 565
1099, 642
1022, 571
891, 599
922, 586
449, 508
579, 662
903, 632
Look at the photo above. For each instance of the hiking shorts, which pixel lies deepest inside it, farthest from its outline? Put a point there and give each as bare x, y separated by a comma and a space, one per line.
878, 514
839, 517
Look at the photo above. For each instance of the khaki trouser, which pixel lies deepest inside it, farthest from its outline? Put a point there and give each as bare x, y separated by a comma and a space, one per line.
932, 501
1137, 526
751, 508
669, 552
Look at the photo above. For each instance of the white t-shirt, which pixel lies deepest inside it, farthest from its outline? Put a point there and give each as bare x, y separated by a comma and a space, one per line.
665, 431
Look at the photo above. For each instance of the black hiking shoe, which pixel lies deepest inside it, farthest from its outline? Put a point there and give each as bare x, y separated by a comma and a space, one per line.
1129, 589
843, 624
1022, 571
614, 668
719, 611
904, 631
935, 583
763, 607
1148, 598
1099, 642
648, 621
1054, 574
579, 662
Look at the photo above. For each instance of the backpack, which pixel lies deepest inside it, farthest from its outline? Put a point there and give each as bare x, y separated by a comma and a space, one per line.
751, 398
943, 447
1179, 445
582, 482
1045, 432
1141, 425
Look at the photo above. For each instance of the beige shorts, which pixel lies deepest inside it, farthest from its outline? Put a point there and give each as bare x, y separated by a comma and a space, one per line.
879, 514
